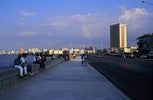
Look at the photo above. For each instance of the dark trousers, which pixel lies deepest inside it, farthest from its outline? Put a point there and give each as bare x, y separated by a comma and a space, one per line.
42, 64
29, 68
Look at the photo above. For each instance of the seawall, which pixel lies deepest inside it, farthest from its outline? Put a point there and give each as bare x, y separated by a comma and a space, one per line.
10, 77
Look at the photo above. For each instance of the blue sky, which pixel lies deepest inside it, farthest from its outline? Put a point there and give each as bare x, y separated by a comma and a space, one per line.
70, 23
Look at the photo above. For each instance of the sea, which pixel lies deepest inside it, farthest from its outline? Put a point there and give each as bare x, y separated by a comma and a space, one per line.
7, 61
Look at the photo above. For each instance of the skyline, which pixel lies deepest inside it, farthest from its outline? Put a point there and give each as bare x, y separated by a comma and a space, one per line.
71, 23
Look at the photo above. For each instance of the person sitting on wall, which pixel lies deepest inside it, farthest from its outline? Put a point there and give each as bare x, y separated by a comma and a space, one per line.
36, 59
17, 64
24, 63
42, 60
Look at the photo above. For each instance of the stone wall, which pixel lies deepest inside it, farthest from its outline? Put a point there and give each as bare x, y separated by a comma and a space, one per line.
11, 76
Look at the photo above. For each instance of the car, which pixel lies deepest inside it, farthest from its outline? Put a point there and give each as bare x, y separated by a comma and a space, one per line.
143, 56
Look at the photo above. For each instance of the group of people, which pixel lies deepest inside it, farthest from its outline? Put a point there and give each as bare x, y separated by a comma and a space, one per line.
24, 67
40, 59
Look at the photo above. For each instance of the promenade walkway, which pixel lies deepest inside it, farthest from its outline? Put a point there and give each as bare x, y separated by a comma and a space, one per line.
67, 81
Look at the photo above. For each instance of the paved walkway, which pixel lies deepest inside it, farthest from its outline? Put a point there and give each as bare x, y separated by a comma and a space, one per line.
67, 81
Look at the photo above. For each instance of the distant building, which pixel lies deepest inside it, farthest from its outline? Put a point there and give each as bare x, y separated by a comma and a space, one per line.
90, 50
11, 52
65, 49
57, 52
33, 50
130, 49
118, 36
50, 51
82, 51
45, 51
74, 51
7, 52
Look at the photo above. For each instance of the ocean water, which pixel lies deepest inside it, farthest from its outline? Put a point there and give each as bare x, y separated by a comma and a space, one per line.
7, 61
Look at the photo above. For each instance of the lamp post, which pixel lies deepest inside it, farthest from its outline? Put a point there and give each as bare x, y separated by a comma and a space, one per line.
147, 2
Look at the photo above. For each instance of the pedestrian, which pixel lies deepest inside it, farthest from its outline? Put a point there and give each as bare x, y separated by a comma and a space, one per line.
36, 59
25, 64
17, 64
85, 59
42, 60
39, 59
82, 59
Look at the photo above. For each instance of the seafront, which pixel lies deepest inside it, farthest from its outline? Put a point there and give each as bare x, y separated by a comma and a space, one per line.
67, 81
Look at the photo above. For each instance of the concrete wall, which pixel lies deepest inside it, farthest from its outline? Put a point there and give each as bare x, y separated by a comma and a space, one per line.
10, 77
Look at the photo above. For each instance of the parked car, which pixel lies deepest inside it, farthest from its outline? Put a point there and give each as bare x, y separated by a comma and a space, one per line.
143, 56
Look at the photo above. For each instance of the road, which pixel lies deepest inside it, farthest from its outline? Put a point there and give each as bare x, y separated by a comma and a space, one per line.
67, 81
132, 76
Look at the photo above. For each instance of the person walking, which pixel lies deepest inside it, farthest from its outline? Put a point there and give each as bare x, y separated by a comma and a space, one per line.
85, 60
82, 59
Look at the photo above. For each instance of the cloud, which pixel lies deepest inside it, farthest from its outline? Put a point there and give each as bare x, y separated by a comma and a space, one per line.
85, 29
27, 14
86, 18
77, 25
139, 20
26, 33
57, 22
136, 18
81, 18
133, 14
25, 17
91, 24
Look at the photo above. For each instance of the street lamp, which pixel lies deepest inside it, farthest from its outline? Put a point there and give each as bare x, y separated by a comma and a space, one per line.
147, 2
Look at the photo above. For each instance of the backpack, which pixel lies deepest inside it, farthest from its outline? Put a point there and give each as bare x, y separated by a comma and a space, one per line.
17, 61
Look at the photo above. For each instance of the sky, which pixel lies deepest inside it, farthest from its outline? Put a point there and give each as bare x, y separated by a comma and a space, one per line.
70, 23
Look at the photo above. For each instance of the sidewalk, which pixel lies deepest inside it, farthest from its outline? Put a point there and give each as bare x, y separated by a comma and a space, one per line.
67, 81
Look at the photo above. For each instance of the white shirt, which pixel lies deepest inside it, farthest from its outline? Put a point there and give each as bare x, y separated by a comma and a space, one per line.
34, 59
22, 60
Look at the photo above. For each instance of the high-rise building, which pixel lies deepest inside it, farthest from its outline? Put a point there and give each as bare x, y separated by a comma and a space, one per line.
118, 36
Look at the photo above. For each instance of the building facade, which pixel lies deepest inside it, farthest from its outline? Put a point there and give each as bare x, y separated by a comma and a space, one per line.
33, 50
118, 36
90, 50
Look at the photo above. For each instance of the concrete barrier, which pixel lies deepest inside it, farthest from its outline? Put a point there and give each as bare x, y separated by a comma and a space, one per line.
11, 76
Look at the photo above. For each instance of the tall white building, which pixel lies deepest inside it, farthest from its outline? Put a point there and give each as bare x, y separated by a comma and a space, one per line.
118, 36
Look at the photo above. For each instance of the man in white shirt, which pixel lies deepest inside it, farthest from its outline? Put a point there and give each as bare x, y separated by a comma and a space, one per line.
23, 63
26, 65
